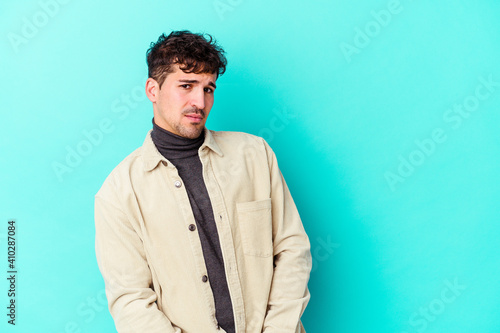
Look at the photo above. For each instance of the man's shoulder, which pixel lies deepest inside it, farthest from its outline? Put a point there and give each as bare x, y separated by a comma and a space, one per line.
121, 172
234, 139
234, 135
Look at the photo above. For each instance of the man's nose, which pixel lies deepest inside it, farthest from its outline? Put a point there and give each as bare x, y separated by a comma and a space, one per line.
198, 98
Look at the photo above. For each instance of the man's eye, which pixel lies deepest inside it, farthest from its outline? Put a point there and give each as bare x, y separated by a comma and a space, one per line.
185, 86
209, 90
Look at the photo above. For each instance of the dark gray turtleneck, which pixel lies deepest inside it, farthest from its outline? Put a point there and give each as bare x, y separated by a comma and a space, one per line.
183, 153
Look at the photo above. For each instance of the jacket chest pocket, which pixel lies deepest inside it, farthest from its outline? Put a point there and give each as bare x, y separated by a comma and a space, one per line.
255, 222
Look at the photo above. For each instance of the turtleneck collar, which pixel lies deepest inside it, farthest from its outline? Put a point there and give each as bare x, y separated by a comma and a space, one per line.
173, 146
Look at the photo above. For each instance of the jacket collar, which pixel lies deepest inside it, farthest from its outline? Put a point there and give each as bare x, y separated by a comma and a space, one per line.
151, 156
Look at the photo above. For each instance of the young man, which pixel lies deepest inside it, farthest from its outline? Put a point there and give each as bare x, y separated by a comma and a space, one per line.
196, 231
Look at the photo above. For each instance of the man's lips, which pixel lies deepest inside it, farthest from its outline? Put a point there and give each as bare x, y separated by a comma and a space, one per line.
194, 117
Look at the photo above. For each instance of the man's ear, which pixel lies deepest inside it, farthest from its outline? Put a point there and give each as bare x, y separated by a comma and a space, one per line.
152, 89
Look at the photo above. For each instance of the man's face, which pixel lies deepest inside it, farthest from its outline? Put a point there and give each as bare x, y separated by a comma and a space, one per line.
184, 101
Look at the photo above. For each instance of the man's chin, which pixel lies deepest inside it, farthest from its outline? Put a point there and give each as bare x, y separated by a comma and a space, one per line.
192, 133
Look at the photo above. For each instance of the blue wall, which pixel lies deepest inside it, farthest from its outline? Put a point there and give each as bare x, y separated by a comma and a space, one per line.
382, 114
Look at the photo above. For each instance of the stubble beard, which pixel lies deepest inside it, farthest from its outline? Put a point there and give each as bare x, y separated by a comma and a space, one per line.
190, 133
194, 131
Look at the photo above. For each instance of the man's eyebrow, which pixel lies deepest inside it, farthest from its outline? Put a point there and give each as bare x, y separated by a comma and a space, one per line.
196, 81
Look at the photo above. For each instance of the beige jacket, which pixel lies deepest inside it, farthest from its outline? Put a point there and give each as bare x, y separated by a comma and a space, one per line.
151, 257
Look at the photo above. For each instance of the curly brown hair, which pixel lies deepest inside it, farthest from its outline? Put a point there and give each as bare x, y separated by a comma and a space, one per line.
194, 53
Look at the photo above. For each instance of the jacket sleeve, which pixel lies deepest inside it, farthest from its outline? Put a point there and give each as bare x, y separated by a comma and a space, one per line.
124, 267
292, 259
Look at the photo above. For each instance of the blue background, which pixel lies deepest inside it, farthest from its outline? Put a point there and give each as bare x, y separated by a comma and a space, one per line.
403, 222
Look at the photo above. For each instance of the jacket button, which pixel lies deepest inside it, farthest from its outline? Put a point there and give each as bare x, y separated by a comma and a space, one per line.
204, 278
192, 227
177, 184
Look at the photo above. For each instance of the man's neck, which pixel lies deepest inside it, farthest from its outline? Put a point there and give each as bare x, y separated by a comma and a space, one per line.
173, 146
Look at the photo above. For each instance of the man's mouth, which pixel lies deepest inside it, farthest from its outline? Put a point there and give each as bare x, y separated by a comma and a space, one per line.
195, 118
